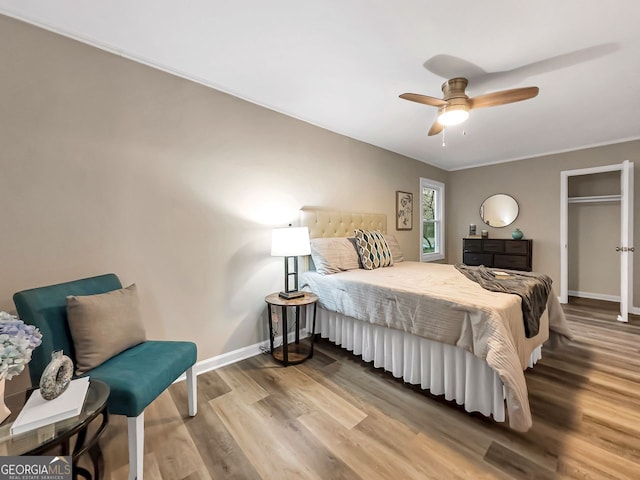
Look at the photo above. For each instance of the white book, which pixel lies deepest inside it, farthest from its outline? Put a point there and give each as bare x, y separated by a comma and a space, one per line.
38, 412
499, 274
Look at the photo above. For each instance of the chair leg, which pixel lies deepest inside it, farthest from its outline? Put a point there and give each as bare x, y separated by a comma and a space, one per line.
192, 391
135, 426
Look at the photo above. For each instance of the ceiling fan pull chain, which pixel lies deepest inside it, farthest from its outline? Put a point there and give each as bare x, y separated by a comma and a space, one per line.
443, 132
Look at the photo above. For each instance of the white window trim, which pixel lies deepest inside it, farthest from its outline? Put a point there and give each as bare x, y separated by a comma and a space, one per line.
439, 187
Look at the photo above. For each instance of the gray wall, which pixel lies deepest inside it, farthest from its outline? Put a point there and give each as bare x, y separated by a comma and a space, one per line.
107, 165
535, 183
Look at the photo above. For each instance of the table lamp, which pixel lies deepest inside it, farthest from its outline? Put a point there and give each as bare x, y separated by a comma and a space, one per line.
290, 242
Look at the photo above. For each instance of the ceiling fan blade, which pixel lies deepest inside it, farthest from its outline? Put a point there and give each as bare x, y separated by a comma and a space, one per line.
503, 97
436, 128
448, 66
425, 99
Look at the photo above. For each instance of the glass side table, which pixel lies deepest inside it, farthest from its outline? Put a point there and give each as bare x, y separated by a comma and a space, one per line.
59, 434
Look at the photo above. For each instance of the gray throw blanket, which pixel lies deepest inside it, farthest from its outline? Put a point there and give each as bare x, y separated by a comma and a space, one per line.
532, 288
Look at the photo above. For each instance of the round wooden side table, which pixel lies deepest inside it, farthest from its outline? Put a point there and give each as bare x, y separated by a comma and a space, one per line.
299, 351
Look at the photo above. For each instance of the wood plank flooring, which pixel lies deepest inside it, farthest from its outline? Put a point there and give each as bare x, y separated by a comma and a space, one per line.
335, 417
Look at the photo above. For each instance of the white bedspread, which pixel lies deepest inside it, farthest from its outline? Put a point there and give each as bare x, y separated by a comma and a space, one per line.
436, 301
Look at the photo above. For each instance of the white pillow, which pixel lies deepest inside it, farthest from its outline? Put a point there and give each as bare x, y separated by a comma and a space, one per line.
333, 255
394, 246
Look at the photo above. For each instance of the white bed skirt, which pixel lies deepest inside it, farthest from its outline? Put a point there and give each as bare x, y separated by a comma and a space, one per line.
440, 368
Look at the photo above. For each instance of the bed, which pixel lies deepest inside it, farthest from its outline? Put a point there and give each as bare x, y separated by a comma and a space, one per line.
427, 323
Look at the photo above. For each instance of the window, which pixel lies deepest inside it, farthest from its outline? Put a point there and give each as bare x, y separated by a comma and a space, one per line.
432, 221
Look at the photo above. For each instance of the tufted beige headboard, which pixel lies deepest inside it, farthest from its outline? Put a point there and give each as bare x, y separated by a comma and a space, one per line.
327, 223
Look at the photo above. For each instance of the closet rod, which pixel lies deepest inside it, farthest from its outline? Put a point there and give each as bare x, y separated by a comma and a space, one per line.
596, 199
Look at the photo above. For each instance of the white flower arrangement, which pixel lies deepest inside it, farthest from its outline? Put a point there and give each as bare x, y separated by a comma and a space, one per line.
17, 341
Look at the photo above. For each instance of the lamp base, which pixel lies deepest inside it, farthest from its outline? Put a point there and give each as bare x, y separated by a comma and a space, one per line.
290, 295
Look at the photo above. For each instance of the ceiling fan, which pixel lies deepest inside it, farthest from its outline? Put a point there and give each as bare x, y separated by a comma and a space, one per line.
454, 106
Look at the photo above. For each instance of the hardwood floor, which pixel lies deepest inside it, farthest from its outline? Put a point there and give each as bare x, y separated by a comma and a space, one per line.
335, 417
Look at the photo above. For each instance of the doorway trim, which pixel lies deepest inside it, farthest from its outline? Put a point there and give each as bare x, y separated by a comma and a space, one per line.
625, 206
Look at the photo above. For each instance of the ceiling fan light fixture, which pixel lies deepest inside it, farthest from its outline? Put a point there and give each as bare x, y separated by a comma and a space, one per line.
453, 115
454, 106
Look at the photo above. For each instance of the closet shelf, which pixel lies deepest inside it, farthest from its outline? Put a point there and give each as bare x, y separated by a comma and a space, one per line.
596, 199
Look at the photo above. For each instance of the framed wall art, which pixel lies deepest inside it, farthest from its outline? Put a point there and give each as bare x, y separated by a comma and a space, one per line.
404, 210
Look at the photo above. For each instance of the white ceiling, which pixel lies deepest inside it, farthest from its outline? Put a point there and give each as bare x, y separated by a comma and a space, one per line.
341, 64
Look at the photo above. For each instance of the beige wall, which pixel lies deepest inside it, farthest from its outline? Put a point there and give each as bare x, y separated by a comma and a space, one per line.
112, 166
108, 165
535, 183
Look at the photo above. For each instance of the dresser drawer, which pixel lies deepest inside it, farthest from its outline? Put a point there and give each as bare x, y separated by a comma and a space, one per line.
472, 245
470, 258
496, 246
516, 246
513, 262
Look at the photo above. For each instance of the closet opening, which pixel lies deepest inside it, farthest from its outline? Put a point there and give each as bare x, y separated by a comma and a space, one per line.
597, 237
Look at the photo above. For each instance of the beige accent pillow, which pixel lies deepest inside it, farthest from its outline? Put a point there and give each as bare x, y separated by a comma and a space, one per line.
104, 325
333, 255
394, 246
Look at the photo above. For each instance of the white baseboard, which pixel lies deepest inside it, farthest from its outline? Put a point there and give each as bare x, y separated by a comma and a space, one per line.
595, 296
601, 296
234, 356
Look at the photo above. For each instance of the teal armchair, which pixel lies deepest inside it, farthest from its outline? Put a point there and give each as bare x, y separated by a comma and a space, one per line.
136, 376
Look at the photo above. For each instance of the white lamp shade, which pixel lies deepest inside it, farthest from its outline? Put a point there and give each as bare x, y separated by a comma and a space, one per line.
290, 242
453, 115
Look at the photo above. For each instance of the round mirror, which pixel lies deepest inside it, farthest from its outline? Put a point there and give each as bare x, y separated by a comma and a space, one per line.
499, 210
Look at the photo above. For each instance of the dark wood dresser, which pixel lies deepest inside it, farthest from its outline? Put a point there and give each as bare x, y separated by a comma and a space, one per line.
498, 253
